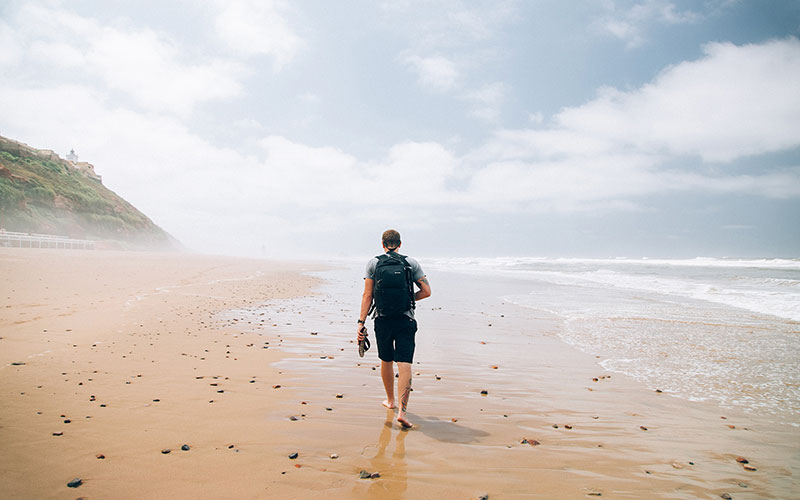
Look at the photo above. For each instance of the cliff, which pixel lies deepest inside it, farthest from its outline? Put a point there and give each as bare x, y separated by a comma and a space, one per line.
40, 192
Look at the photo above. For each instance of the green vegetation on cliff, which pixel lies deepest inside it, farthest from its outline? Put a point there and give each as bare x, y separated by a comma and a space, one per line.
43, 193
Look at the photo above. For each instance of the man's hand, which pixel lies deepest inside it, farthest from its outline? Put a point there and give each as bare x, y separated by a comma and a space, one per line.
362, 332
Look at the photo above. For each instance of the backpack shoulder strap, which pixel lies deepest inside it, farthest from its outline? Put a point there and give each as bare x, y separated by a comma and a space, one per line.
409, 279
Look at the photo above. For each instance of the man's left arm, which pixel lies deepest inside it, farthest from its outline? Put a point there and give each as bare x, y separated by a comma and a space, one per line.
424, 289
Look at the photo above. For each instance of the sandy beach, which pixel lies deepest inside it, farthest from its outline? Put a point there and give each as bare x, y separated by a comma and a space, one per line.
111, 359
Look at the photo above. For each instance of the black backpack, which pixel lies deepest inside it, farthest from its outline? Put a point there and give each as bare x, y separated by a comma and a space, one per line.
393, 293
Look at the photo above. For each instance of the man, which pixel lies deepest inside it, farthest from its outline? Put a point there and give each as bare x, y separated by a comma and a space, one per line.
394, 333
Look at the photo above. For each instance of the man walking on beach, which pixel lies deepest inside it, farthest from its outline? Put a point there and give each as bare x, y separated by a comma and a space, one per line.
395, 326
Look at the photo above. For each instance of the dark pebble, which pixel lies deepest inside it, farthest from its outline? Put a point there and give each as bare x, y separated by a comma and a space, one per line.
67, 421
101, 456
742, 485
643, 427
17, 363
364, 475
185, 447
375, 475
293, 418
726, 496
75, 482
229, 447
165, 451
742, 460
58, 433
483, 497
293, 455
484, 392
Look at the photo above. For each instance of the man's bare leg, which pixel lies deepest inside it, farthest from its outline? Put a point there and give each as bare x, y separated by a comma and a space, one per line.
387, 375
404, 389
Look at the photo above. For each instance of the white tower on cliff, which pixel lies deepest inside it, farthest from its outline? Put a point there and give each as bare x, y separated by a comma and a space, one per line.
72, 156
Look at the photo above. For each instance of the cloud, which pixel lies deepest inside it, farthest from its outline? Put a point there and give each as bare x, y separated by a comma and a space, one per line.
142, 64
449, 24
148, 68
487, 101
734, 102
630, 21
308, 98
12, 52
459, 35
435, 72
256, 27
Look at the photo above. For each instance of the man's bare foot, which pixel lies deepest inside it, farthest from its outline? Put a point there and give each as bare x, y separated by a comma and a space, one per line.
388, 404
404, 423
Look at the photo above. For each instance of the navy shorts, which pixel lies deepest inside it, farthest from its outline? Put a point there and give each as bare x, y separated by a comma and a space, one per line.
395, 338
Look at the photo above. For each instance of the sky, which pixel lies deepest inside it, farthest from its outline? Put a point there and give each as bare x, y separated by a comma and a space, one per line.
589, 128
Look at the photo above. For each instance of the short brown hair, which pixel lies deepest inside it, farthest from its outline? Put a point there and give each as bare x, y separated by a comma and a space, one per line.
390, 238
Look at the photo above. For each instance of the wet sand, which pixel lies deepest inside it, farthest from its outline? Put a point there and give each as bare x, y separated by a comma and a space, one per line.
154, 339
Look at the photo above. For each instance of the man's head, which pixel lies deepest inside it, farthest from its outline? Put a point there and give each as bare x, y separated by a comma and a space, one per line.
390, 239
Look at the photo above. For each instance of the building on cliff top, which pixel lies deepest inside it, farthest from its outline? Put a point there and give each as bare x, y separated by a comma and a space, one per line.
83, 167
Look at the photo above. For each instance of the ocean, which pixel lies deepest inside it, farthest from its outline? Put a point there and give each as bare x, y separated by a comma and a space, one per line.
705, 329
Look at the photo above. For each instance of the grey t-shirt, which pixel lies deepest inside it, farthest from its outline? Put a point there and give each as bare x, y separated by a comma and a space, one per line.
416, 273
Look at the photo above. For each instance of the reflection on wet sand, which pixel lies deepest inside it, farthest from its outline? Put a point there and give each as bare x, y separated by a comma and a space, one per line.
393, 467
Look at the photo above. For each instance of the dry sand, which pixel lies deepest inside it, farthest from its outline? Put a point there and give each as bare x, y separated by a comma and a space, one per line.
138, 353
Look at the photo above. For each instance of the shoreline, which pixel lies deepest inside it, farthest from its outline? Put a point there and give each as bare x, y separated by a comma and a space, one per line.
464, 445
625, 440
